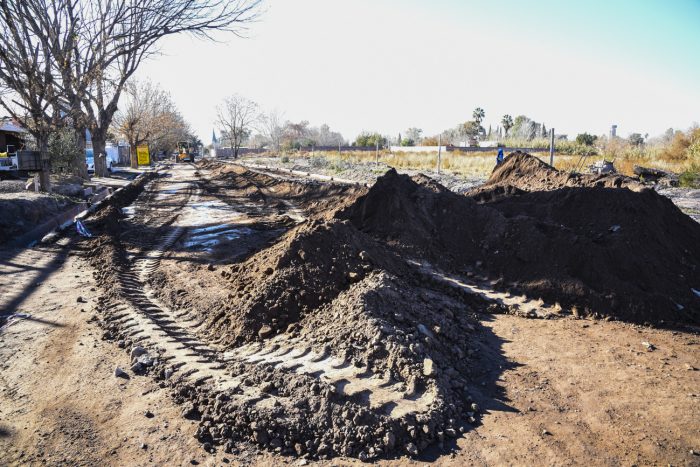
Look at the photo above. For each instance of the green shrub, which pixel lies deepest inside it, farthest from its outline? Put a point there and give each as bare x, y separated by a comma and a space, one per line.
691, 177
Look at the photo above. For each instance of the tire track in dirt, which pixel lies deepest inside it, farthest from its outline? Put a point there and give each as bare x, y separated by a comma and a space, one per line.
184, 356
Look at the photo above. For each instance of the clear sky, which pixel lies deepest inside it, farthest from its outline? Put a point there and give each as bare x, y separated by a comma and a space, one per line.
386, 65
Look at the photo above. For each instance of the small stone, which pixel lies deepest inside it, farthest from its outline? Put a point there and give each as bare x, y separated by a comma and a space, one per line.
353, 276
302, 255
389, 440
276, 443
649, 346
168, 373
144, 446
81, 300
148, 414
546, 433
428, 367
364, 256
411, 449
137, 368
136, 352
265, 331
119, 373
475, 407
451, 432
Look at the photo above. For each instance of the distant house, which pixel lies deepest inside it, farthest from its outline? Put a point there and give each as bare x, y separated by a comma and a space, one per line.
12, 136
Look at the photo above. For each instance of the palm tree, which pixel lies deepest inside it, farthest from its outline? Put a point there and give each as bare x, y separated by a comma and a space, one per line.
478, 115
507, 122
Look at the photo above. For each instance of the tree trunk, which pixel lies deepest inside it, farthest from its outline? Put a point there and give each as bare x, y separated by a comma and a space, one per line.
98, 149
45, 174
78, 164
134, 157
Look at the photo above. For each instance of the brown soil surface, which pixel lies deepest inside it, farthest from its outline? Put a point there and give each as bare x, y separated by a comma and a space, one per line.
271, 320
22, 212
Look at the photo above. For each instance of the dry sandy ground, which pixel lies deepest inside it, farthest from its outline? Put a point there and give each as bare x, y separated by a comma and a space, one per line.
555, 392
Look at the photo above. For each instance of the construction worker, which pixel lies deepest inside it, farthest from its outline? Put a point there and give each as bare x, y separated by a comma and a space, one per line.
499, 157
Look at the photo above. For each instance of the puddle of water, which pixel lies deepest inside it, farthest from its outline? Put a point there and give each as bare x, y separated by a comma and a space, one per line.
207, 241
211, 222
209, 214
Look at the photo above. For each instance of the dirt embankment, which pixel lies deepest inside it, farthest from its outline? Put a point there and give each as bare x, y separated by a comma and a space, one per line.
528, 173
22, 212
605, 251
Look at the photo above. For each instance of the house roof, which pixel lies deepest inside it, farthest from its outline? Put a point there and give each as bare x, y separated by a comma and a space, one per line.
8, 126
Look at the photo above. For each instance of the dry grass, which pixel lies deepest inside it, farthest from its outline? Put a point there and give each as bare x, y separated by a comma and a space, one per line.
481, 164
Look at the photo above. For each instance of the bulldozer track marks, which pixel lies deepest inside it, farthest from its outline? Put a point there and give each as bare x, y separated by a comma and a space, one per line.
174, 332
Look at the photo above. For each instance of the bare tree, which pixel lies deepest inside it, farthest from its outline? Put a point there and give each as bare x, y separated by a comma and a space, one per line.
149, 117
27, 90
271, 126
91, 48
136, 35
236, 117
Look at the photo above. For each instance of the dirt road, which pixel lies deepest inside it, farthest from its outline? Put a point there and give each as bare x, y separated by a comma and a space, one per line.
560, 391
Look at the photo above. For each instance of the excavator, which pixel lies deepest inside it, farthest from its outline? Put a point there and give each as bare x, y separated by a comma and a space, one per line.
185, 152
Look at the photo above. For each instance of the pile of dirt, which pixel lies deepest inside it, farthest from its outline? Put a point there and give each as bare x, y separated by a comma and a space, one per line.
521, 172
606, 251
307, 268
392, 331
339, 295
336, 302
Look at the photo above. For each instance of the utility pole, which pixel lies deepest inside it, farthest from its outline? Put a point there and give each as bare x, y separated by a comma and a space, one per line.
551, 147
439, 153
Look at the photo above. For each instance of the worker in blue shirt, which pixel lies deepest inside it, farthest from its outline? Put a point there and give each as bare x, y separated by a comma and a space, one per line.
499, 157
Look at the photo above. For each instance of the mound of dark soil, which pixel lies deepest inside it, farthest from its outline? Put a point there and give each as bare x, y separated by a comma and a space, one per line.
385, 327
528, 173
309, 267
607, 251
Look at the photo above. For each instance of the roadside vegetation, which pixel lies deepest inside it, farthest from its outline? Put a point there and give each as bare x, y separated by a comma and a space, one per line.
676, 151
